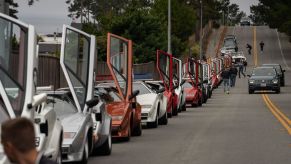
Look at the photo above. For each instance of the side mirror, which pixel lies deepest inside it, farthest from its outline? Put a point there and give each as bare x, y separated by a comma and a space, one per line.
37, 100
183, 82
161, 90
93, 102
205, 81
133, 95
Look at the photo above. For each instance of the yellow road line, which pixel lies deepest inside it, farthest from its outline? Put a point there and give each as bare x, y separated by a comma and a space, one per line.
285, 121
277, 110
285, 125
255, 47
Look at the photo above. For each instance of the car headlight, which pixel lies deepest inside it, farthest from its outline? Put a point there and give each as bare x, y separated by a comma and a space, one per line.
69, 135
117, 118
146, 106
275, 81
251, 81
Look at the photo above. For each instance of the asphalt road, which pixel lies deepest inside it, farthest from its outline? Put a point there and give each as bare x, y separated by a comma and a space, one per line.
236, 128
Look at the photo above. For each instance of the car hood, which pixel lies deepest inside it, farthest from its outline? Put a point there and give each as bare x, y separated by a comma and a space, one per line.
73, 122
146, 99
262, 78
117, 108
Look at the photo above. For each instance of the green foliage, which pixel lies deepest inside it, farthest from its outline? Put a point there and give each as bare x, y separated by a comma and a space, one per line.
273, 13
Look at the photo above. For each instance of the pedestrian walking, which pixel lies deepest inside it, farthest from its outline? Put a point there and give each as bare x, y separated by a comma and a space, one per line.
241, 69
249, 47
233, 74
225, 74
245, 63
262, 46
18, 140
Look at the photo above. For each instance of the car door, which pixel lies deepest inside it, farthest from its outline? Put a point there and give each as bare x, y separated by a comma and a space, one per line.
17, 67
77, 62
165, 69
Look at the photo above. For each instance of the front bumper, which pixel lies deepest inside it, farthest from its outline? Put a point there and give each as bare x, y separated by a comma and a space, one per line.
69, 156
263, 87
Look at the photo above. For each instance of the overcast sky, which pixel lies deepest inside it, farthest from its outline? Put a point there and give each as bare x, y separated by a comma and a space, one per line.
48, 16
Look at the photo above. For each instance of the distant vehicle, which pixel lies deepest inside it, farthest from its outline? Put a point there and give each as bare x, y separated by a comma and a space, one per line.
229, 45
178, 84
280, 71
238, 57
153, 105
18, 98
165, 69
245, 22
264, 78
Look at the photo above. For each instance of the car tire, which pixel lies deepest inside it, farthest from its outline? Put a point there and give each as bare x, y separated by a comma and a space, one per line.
85, 153
251, 91
137, 131
171, 113
164, 119
175, 110
278, 91
106, 147
184, 107
283, 83
127, 138
200, 102
154, 124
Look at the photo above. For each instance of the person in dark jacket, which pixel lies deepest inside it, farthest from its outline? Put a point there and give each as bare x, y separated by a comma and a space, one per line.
18, 140
225, 74
249, 47
233, 74
262, 46
241, 69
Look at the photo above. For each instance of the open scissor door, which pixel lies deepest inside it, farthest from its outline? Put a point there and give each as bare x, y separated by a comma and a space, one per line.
119, 61
177, 71
77, 62
192, 71
17, 68
165, 69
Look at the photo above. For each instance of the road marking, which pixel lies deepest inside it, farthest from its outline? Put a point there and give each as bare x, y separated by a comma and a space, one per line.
277, 115
284, 120
283, 56
255, 47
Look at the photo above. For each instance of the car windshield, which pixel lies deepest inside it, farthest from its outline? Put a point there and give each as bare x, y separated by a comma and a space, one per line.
187, 85
61, 105
107, 94
264, 72
142, 89
13, 54
229, 43
277, 67
76, 60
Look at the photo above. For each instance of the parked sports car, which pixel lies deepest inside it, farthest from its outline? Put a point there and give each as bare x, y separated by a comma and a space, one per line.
18, 71
153, 105
178, 84
125, 113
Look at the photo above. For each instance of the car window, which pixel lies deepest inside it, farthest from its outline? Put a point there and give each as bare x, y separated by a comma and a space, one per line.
62, 106
142, 89
107, 94
264, 72
277, 67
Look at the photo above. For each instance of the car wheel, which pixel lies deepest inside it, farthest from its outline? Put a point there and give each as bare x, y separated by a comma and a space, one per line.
184, 107
59, 156
164, 119
137, 130
106, 147
171, 113
154, 124
175, 110
127, 138
251, 91
85, 153
278, 91
200, 101
283, 83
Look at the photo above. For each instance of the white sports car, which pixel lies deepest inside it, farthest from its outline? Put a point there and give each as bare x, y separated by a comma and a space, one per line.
18, 71
153, 104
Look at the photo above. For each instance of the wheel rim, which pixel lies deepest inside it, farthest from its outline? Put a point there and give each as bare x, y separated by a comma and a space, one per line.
109, 140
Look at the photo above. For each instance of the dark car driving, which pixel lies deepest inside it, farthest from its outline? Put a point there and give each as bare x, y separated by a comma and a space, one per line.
264, 78
280, 72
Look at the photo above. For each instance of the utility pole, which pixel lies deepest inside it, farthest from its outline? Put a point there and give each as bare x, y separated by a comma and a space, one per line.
169, 27
201, 29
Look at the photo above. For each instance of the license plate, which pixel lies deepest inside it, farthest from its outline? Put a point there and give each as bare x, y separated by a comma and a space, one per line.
263, 84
